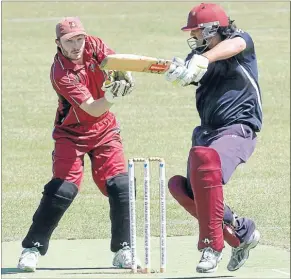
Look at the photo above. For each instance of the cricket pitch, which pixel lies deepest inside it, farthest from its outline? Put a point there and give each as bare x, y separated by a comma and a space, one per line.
91, 258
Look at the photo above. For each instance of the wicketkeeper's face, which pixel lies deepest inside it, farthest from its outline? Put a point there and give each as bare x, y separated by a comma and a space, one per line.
73, 48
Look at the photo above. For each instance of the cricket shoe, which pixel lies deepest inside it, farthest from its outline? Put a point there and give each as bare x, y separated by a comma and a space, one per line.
122, 258
28, 259
240, 254
209, 260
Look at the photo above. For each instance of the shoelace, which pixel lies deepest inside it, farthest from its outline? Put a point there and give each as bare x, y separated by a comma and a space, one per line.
30, 253
236, 251
125, 256
207, 255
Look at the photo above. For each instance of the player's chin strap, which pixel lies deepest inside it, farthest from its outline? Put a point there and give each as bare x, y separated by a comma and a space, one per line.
209, 30
198, 45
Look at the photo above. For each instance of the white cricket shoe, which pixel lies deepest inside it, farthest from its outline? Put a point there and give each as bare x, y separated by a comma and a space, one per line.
209, 260
240, 254
28, 259
122, 258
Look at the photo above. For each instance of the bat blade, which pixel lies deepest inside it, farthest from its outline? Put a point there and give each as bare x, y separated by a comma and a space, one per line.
135, 63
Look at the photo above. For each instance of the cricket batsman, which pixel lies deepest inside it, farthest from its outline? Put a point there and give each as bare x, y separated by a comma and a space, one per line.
83, 125
223, 68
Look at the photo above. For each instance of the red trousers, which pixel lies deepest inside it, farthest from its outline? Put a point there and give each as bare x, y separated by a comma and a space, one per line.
101, 141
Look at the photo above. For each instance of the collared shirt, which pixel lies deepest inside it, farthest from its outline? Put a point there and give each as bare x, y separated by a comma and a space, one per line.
229, 92
74, 84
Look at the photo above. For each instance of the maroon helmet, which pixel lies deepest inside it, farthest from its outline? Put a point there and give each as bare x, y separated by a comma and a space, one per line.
208, 17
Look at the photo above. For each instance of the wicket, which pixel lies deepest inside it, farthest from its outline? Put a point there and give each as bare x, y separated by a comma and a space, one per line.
132, 207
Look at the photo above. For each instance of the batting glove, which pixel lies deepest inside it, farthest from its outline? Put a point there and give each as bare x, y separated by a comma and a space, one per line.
198, 66
193, 71
176, 70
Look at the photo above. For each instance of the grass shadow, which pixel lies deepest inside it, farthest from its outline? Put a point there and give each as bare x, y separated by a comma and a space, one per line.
195, 277
98, 270
200, 277
90, 270
11, 270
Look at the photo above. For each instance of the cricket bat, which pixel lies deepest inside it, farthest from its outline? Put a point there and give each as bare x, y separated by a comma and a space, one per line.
135, 63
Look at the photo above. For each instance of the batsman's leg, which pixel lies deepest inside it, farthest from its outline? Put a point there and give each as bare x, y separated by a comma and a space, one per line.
234, 150
249, 237
181, 190
206, 182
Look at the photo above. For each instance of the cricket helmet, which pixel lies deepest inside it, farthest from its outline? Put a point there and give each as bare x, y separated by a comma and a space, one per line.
208, 17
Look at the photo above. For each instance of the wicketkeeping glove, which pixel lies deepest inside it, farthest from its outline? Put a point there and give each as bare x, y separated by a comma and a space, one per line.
118, 84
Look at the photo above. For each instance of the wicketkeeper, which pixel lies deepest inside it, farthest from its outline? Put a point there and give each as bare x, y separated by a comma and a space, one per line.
83, 125
223, 68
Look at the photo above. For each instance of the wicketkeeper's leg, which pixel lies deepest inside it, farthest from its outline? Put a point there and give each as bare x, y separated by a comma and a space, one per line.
58, 195
110, 175
117, 188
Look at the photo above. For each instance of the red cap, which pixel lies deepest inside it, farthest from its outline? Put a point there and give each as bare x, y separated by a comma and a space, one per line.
69, 27
205, 13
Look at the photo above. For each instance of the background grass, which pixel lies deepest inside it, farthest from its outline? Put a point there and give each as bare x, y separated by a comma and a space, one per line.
157, 119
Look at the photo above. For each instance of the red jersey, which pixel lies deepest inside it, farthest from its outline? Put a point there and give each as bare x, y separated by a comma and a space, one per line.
74, 84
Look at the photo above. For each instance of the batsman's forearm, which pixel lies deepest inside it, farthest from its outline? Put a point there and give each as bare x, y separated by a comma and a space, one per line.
225, 49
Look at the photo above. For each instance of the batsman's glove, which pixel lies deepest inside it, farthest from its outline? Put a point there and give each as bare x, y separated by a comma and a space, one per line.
117, 85
186, 73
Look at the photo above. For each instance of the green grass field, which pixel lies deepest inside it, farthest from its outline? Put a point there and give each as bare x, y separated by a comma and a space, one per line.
156, 120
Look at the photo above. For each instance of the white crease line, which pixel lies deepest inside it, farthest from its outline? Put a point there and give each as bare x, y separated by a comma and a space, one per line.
282, 272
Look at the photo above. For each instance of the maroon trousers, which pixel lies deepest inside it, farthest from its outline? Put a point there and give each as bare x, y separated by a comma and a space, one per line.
101, 141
